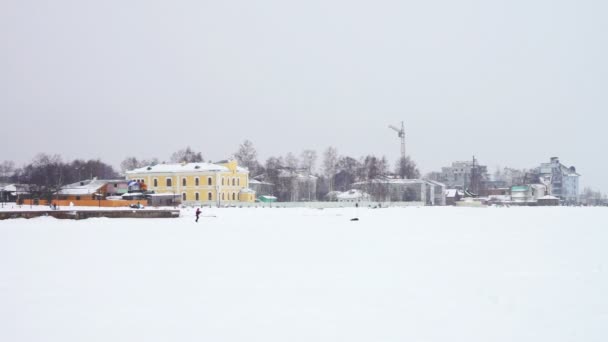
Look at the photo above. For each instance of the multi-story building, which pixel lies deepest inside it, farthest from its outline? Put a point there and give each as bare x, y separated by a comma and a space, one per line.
563, 180
223, 182
462, 175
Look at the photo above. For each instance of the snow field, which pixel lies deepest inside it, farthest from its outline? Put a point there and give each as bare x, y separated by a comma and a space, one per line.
413, 274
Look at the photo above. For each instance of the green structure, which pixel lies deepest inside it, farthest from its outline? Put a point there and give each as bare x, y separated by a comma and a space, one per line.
267, 199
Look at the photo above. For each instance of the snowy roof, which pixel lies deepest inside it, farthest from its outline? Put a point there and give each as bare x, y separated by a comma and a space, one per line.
286, 173
83, 188
247, 191
188, 167
393, 181
175, 168
451, 192
435, 182
548, 197
8, 188
352, 194
164, 194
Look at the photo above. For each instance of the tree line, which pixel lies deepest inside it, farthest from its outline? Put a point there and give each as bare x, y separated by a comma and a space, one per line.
47, 173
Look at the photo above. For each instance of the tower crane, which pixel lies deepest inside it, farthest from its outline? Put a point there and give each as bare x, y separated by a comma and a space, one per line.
401, 135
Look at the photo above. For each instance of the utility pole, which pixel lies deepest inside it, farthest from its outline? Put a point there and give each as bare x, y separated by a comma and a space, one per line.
474, 177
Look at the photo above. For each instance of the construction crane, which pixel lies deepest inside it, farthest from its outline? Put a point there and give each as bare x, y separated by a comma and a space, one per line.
401, 135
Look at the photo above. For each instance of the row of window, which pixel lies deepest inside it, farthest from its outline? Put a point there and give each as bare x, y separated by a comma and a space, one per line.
225, 196
225, 181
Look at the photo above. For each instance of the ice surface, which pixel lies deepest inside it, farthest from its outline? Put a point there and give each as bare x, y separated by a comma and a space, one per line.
276, 274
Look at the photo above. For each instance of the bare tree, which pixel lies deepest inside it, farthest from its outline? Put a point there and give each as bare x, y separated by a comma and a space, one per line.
383, 166
330, 164
347, 170
247, 156
131, 163
308, 160
291, 161
7, 168
406, 168
186, 155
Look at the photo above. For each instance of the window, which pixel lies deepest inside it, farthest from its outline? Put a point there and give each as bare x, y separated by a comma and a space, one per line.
78, 198
233, 182
183, 196
209, 181
184, 182
222, 196
196, 181
233, 195
238, 181
222, 180
209, 196
155, 182
168, 182
196, 196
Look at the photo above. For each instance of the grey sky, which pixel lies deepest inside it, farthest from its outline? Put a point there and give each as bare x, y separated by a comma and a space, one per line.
513, 82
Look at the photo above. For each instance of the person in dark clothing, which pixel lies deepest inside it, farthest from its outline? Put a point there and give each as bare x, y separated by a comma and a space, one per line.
198, 213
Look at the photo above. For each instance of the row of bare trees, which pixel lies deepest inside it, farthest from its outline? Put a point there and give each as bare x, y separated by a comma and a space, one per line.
47, 173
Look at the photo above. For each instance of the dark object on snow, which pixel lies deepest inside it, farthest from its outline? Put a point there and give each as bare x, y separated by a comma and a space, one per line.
355, 219
198, 213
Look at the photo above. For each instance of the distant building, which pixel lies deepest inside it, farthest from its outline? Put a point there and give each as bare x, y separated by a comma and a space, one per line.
223, 182
452, 196
92, 189
14, 192
563, 181
353, 195
462, 175
261, 188
528, 194
427, 192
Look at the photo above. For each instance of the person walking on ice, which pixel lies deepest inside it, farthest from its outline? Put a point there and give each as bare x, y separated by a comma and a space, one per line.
198, 213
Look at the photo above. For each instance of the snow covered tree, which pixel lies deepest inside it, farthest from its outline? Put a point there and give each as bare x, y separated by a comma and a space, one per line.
186, 155
406, 168
247, 156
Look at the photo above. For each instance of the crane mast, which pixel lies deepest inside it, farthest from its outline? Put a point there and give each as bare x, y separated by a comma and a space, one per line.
401, 135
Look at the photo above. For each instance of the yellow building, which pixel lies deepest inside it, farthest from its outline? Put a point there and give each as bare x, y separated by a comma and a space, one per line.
204, 183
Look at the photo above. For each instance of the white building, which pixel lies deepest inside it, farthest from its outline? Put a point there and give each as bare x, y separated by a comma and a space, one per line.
563, 180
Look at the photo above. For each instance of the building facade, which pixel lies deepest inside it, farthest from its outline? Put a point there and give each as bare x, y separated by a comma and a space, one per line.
563, 180
223, 183
462, 175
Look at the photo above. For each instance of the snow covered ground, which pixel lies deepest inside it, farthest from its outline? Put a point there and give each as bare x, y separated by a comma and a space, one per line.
414, 274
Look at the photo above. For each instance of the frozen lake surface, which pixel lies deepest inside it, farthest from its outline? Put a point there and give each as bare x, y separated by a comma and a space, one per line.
414, 274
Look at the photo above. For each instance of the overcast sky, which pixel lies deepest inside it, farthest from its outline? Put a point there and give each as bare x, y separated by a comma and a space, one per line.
511, 82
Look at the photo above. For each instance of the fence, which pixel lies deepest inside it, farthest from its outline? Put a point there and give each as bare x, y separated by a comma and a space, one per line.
314, 205
87, 203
